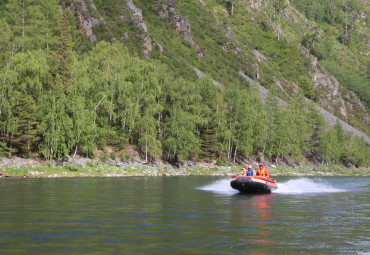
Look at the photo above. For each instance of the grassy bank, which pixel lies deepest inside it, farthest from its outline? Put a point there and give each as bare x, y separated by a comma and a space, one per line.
49, 171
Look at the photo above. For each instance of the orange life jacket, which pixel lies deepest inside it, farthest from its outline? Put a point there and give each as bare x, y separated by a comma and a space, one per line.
244, 171
261, 172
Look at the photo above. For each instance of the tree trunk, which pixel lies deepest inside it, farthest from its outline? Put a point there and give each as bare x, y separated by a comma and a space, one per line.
345, 37
159, 120
23, 26
236, 146
264, 143
146, 147
350, 35
312, 44
332, 13
74, 154
341, 57
232, 9
47, 29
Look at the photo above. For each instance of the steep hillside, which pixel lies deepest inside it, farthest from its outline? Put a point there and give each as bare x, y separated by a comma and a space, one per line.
182, 79
270, 41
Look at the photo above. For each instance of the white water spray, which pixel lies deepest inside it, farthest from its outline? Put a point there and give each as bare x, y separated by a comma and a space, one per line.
296, 186
305, 186
221, 187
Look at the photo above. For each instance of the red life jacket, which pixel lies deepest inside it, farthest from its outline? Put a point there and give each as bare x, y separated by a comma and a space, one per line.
261, 172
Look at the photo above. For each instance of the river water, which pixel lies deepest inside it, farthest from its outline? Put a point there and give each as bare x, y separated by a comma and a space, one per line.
183, 215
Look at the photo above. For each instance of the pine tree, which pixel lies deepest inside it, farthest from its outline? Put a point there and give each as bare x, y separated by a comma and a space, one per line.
208, 138
25, 135
64, 61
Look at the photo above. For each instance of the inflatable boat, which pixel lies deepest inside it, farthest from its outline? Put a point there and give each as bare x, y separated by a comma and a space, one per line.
253, 184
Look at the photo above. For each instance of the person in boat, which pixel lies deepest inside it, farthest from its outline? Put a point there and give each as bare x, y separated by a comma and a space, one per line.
244, 170
262, 171
249, 171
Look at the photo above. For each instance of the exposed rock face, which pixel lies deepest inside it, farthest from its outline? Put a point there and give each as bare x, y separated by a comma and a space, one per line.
333, 96
256, 70
87, 22
256, 4
200, 74
140, 23
77, 160
183, 26
259, 56
233, 43
330, 118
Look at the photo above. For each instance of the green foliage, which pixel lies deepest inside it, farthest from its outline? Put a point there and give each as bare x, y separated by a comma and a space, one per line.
358, 152
306, 85
72, 167
223, 162
180, 136
61, 95
112, 155
336, 145
123, 155
64, 61
3, 149
352, 81
342, 42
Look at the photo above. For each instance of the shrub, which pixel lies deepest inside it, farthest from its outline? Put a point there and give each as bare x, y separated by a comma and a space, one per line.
3, 148
222, 162
123, 155
71, 167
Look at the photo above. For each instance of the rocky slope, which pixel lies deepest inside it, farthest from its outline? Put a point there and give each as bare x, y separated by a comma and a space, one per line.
333, 99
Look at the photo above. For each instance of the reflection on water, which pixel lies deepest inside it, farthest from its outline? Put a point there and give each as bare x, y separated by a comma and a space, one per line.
255, 212
183, 215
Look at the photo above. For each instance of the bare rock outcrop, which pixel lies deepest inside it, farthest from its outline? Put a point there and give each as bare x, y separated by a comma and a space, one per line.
87, 21
183, 25
335, 98
200, 74
330, 118
141, 25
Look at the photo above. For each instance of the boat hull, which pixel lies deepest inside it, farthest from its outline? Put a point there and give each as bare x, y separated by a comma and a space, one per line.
253, 184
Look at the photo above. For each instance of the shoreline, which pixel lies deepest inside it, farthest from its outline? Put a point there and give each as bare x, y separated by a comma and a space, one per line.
141, 170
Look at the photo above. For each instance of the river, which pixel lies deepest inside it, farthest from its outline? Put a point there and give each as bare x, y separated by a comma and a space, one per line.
183, 215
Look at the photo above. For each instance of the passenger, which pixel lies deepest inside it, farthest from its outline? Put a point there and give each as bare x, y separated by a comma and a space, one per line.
249, 171
244, 170
262, 171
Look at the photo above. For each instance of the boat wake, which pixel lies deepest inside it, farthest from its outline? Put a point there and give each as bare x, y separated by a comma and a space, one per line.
305, 186
296, 186
220, 187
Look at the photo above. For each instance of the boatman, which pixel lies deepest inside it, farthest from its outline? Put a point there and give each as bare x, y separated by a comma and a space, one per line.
262, 171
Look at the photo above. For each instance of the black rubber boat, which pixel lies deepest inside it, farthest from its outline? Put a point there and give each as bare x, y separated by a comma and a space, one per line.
253, 184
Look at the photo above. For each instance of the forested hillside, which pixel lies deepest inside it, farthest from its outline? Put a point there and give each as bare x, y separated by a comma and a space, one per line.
77, 76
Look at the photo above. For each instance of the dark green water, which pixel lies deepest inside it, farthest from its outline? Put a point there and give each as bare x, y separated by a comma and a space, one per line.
183, 215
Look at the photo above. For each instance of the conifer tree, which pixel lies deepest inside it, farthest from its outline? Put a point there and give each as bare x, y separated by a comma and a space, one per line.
25, 135
64, 61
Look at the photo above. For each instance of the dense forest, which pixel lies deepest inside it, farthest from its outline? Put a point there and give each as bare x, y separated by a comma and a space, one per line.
62, 94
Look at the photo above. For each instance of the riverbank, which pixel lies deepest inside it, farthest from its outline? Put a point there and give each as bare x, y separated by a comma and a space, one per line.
17, 167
